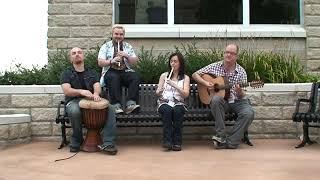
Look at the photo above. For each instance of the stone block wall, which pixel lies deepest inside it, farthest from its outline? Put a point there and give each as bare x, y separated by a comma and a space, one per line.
14, 129
312, 26
82, 23
273, 104
87, 24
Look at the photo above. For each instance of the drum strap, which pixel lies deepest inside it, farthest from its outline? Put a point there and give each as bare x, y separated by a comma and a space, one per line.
66, 157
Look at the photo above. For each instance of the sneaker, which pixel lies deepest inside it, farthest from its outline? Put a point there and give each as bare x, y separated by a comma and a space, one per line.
117, 108
108, 149
74, 149
219, 139
176, 147
219, 145
132, 108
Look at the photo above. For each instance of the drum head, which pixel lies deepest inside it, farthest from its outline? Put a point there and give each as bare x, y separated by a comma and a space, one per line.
90, 104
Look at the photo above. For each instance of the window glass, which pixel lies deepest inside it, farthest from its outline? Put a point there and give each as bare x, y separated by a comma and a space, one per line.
208, 12
274, 12
141, 11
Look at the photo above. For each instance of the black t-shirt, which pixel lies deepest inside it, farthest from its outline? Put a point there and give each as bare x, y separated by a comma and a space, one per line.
83, 80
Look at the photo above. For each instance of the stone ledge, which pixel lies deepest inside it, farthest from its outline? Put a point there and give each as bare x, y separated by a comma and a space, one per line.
56, 89
14, 118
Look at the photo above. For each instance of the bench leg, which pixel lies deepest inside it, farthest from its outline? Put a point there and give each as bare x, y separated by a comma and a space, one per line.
306, 138
64, 141
246, 139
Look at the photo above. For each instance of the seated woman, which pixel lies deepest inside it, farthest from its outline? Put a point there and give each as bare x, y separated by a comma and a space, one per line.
173, 88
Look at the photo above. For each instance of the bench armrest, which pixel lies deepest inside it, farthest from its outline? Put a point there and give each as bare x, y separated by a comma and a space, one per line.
61, 116
299, 102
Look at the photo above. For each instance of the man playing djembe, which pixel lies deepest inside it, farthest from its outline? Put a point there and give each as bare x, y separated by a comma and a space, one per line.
79, 82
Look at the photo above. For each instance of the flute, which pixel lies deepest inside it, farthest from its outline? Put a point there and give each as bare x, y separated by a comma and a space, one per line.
165, 81
119, 51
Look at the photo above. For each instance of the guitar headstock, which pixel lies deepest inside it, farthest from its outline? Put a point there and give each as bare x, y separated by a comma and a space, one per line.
256, 84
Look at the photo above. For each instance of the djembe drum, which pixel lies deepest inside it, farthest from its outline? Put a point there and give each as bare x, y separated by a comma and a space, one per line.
93, 116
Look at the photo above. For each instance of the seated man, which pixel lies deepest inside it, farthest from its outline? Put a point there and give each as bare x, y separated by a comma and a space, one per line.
79, 82
236, 102
116, 57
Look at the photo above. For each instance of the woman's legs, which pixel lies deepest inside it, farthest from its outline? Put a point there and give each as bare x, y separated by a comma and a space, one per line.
166, 114
178, 113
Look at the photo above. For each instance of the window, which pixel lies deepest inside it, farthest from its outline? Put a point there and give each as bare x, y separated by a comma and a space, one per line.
207, 11
141, 12
274, 12
179, 16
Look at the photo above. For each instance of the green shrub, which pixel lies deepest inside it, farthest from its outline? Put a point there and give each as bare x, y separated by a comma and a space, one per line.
24, 76
50, 73
270, 67
150, 67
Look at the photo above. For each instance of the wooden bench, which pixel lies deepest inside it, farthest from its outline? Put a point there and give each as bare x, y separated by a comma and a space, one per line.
198, 114
311, 117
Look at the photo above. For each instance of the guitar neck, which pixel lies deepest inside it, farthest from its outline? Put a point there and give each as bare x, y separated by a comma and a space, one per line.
228, 86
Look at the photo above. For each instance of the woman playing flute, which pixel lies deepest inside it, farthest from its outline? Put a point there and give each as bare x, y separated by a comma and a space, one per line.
172, 89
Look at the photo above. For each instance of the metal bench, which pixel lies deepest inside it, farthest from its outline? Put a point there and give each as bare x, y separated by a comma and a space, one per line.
198, 114
309, 118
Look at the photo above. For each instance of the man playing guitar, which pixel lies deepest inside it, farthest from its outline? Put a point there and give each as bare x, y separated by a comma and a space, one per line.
235, 102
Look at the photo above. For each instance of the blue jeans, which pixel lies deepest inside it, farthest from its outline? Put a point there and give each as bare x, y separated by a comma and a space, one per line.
245, 114
75, 116
172, 119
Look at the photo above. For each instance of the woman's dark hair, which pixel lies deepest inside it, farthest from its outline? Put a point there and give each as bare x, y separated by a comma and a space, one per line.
182, 66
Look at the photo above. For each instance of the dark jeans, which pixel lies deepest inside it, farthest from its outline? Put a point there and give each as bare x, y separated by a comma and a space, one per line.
75, 116
172, 119
115, 79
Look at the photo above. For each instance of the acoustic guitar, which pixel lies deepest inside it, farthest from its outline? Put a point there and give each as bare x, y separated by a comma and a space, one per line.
221, 87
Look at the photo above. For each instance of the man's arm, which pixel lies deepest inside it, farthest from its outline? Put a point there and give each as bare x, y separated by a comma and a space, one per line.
102, 57
96, 88
104, 62
69, 91
129, 55
132, 60
197, 77
240, 91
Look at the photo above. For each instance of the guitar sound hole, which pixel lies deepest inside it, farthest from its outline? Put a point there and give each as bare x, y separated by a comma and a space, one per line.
216, 88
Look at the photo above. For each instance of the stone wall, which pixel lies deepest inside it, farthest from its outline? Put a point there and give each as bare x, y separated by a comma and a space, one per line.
87, 24
312, 25
273, 104
82, 23
14, 129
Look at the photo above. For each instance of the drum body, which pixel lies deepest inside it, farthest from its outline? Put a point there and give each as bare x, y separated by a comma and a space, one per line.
93, 117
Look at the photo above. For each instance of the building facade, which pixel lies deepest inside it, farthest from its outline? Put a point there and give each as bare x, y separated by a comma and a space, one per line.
290, 26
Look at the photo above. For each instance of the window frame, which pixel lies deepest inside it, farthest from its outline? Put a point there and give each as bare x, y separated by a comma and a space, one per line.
171, 30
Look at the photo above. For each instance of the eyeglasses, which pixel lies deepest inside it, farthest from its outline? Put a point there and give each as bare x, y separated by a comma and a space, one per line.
230, 52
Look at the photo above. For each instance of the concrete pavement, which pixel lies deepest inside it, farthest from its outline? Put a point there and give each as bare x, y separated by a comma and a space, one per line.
268, 159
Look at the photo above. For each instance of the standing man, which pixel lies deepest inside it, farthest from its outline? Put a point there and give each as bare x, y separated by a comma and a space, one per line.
80, 82
116, 58
230, 69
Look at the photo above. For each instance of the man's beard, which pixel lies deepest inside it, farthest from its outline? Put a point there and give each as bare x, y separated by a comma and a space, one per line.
117, 40
77, 61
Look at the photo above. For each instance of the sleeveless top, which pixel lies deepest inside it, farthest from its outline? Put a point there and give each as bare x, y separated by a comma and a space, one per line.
171, 96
